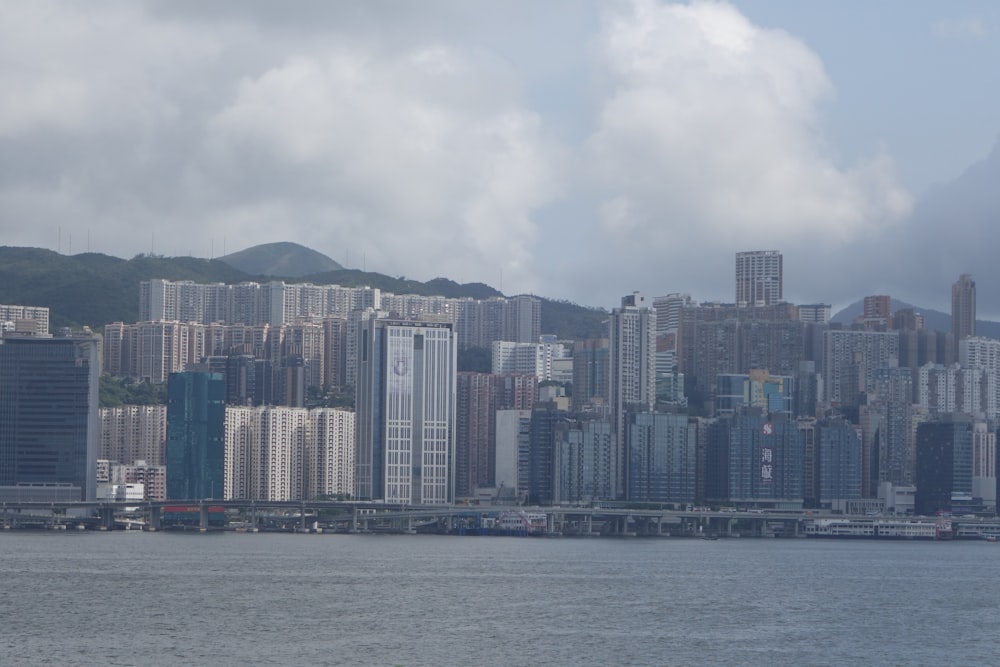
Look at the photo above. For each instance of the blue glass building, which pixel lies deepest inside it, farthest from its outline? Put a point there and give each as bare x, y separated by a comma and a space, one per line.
196, 435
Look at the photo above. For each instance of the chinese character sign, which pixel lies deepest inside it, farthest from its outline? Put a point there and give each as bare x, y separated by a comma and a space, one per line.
766, 465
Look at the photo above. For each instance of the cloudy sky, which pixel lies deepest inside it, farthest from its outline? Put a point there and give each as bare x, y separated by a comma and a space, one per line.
570, 148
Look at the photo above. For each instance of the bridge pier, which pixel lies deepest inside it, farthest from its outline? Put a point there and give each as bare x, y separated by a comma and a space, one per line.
202, 517
107, 518
155, 515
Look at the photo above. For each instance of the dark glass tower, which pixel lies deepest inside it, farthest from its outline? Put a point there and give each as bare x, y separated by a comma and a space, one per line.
48, 417
196, 435
963, 308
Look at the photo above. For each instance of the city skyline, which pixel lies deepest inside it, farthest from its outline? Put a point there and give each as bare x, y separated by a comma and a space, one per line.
574, 149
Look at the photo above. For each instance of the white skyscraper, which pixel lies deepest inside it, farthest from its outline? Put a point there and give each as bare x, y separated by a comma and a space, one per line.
758, 278
279, 453
406, 411
632, 370
984, 353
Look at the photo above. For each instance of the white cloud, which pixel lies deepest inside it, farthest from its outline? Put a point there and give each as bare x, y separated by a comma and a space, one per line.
433, 166
710, 139
130, 121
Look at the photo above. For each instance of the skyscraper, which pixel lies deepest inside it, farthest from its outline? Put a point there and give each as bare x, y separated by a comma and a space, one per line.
590, 372
944, 465
758, 278
632, 371
963, 307
662, 458
406, 411
49, 428
196, 434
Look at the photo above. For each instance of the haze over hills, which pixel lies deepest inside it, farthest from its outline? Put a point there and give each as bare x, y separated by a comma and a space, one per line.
934, 320
951, 231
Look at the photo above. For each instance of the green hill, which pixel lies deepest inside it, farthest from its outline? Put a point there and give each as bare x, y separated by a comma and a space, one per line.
92, 289
280, 259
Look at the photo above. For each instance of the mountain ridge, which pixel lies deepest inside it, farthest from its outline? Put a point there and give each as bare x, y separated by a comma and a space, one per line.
935, 320
93, 289
283, 258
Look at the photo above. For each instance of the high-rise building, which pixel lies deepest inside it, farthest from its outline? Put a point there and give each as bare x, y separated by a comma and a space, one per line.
723, 338
772, 394
632, 371
513, 428
944, 465
815, 313
851, 360
662, 458
132, 433
878, 306
888, 451
839, 462
582, 451
478, 398
196, 430
539, 476
984, 353
406, 411
984, 464
590, 373
49, 425
669, 381
940, 388
758, 278
963, 308
772, 452
755, 460
330, 453
877, 314
284, 453
474, 425
527, 358
11, 317
153, 478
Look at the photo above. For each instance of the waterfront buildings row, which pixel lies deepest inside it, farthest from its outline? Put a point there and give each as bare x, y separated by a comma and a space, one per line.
770, 363
509, 446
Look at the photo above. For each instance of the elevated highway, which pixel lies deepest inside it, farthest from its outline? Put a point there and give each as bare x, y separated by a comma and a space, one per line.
360, 516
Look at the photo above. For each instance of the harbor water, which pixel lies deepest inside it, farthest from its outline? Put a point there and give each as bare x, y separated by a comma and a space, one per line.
133, 598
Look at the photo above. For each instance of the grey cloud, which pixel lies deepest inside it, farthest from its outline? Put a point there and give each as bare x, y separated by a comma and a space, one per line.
582, 150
